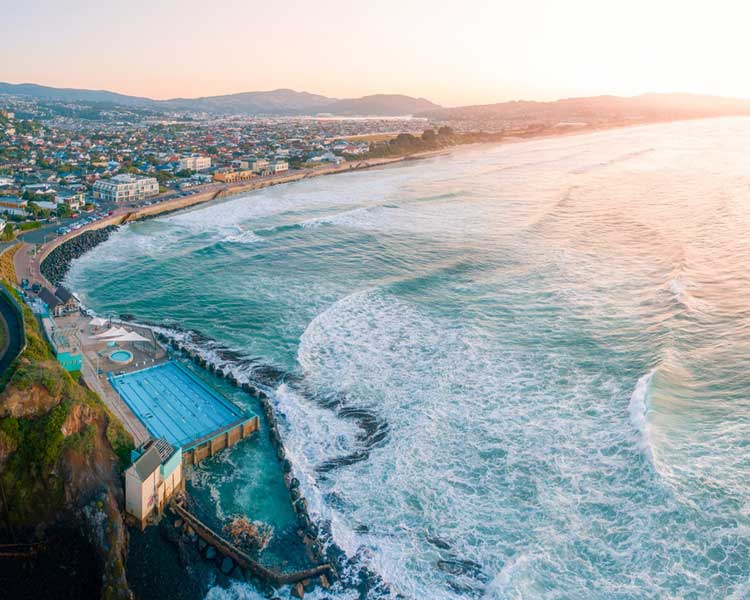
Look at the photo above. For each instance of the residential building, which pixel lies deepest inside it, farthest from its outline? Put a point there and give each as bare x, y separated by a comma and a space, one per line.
195, 162
234, 176
156, 473
279, 166
54, 304
73, 198
260, 165
13, 202
126, 188
69, 301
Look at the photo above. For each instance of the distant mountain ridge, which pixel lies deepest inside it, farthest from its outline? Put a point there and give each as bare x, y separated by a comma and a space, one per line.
274, 102
646, 106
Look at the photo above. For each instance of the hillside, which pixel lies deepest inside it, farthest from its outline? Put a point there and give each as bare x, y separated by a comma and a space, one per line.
647, 107
381, 105
275, 102
282, 101
61, 455
44, 92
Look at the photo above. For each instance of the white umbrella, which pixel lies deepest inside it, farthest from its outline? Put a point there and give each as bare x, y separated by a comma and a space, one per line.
97, 322
130, 336
112, 332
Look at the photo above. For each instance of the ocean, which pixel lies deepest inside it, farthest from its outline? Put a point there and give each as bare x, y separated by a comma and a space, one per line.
515, 371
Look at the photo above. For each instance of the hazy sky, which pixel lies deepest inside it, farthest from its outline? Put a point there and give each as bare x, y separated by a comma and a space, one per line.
459, 52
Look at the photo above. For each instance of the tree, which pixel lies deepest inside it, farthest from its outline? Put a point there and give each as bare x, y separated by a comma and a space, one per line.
428, 136
7, 233
64, 211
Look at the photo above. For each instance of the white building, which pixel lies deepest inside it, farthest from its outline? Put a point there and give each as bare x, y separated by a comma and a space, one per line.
125, 188
279, 166
195, 162
260, 165
151, 480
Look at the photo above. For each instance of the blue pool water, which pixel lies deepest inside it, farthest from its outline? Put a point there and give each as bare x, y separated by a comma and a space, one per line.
174, 404
121, 356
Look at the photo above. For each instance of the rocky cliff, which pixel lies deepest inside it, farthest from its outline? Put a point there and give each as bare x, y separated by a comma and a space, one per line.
61, 457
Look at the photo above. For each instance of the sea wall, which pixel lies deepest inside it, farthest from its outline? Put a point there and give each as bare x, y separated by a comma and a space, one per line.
55, 265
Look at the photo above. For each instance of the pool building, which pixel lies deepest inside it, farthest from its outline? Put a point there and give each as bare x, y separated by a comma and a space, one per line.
187, 421
156, 473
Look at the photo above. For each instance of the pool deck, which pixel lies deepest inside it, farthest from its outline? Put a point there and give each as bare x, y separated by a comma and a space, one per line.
154, 396
95, 366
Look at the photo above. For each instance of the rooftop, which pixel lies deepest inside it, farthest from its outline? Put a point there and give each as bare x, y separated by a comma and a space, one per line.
149, 461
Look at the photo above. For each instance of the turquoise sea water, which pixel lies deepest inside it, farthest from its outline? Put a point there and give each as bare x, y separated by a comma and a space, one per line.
518, 371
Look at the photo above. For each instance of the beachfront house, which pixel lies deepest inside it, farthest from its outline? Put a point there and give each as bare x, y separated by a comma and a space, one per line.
152, 479
54, 304
69, 302
125, 188
279, 166
261, 166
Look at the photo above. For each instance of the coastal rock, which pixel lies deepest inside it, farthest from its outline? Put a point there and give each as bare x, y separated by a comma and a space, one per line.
55, 266
298, 591
210, 553
313, 531
227, 565
439, 543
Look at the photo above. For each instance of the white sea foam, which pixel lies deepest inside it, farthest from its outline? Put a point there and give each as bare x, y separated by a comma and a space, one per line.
638, 409
243, 237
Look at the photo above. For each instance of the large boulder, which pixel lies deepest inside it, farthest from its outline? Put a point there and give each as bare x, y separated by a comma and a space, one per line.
227, 565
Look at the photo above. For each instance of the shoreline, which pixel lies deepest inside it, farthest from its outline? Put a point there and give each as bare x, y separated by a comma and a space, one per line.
28, 265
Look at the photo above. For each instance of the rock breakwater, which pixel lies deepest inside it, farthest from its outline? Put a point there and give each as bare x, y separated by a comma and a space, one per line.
56, 264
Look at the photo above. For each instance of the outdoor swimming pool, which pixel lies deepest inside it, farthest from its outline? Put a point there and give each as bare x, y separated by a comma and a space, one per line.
174, 404
121, 356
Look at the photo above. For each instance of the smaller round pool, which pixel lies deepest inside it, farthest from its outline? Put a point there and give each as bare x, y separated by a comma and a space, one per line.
122, 357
